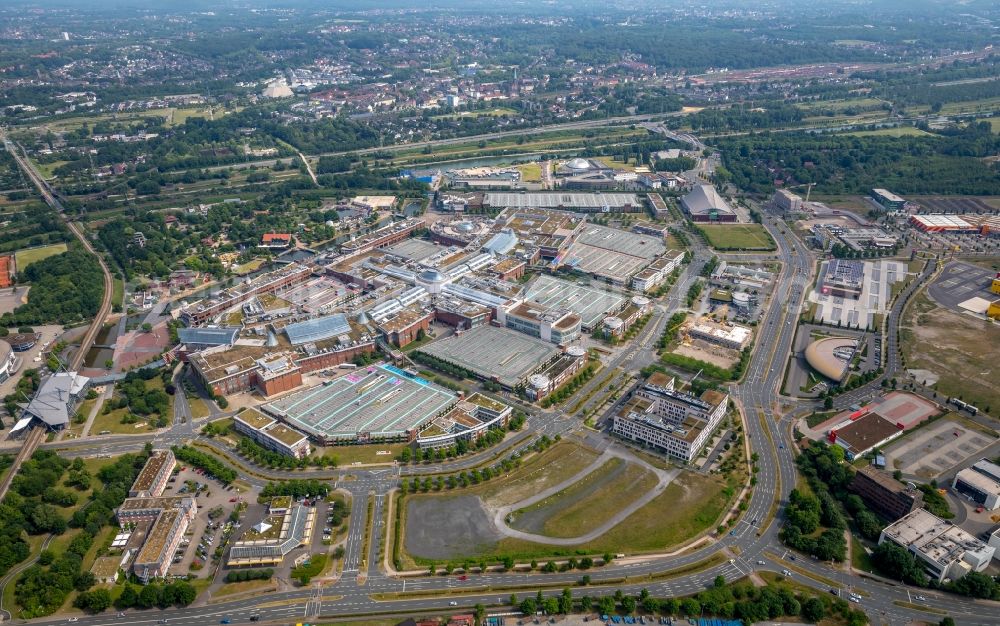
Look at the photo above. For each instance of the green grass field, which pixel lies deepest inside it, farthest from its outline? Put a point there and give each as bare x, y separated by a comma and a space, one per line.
895, 131
737, 236
26, 257
839, 105
592, 501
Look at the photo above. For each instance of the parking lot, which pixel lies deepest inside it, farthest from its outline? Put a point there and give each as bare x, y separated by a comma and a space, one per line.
960, 282
215, 504
935, 449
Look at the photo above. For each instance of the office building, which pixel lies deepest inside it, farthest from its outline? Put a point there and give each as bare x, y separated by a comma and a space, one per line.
843, 279
730, 336
469, 420
980, 483
271, 434
946, 551
656, 272
676, 423
884, 494
786, 201
888, 200
153, 477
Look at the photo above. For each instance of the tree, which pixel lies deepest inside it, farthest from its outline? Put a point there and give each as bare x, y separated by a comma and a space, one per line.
813, 610
948, 621
94, 601
690, 607
629, 604
606, 605
528, 606
480, 613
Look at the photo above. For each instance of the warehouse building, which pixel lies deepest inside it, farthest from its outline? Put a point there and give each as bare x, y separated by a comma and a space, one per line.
271, 434
860, 435
980, 483
676, 423
705, 204
942, 224
884, 494
946, 551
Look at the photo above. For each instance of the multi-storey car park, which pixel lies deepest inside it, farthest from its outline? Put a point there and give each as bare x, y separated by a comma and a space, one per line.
497, 354
378, 403
587, 302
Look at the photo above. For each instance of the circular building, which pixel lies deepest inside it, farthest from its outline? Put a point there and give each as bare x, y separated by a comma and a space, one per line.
576, 351
539, 382
614, 324
432, 280
578, 164
640, 302
830, 356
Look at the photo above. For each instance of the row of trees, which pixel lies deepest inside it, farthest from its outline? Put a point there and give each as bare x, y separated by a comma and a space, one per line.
211, 465
296, 488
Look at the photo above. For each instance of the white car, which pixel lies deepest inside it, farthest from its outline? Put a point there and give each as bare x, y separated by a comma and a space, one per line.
453, 603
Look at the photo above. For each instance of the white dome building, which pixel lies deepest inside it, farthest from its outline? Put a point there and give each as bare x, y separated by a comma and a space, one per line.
432, 280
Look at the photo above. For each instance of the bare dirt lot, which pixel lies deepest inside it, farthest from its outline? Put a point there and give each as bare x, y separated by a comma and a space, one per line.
962, 350
709, 354
470, 529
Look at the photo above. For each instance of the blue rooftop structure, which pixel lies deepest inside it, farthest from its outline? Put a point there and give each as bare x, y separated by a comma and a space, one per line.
208, 337
317, 329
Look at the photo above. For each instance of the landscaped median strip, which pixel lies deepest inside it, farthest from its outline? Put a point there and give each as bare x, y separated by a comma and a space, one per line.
800, 570
602, 585
919, 607
293, 602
